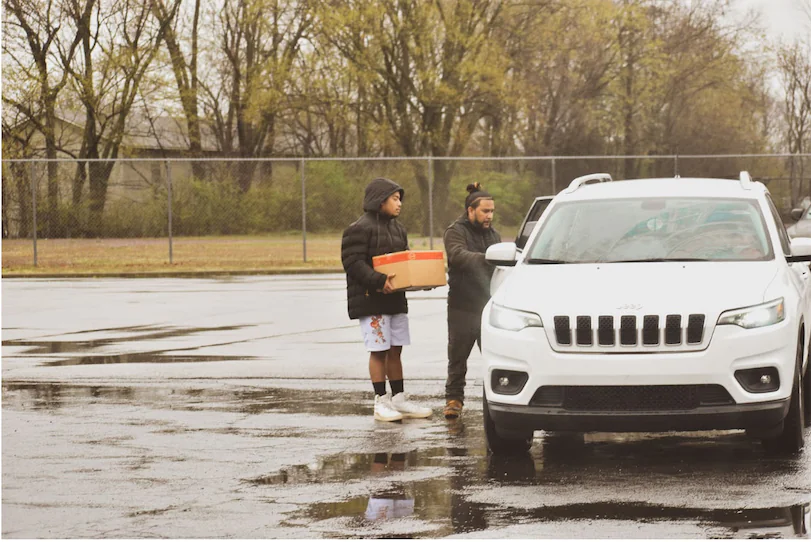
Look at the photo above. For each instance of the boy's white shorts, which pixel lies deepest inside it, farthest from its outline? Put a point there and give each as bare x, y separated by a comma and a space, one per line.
383, 331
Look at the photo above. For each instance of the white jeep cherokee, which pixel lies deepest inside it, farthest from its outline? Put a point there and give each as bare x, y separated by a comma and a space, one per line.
651, 305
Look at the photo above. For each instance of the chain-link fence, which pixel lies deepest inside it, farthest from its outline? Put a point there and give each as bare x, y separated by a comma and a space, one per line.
130, 214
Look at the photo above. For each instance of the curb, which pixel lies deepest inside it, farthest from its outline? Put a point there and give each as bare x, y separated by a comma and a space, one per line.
178, 274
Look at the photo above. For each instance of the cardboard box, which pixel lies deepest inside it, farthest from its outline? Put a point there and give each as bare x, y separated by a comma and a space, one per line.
414, 269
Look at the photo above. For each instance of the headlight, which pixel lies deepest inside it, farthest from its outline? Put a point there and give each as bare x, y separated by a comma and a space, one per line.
766, 314
513, 320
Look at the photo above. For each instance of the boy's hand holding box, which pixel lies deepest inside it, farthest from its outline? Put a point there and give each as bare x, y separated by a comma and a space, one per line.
413, 269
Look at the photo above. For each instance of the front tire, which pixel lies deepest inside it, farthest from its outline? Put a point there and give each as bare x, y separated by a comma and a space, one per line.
498, 444
792, 439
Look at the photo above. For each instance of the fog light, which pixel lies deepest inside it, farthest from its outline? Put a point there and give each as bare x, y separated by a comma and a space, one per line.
506, 382
759, 380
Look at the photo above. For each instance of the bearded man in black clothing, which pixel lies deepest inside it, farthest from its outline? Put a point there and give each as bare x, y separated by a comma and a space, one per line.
469, 274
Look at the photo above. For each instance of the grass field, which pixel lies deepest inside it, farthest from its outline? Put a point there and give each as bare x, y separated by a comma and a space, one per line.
189, 254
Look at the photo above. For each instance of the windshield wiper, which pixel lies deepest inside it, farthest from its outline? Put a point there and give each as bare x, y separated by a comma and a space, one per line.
543, 261
648, 260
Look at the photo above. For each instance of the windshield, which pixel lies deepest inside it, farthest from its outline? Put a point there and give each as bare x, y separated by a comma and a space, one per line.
652, 229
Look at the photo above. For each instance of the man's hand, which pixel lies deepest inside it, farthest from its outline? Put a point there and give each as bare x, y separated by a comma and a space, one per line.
389, 288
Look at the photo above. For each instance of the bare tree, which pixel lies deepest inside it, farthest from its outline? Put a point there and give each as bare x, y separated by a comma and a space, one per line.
560, 57
118, 42
16, 180
259, 41
794, 62
185, 70
38, 24
432, 68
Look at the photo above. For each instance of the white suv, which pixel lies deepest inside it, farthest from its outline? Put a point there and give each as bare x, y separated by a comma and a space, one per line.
651, 305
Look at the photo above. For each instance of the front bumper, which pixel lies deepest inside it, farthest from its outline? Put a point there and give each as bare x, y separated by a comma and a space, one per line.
756, 416
730, 350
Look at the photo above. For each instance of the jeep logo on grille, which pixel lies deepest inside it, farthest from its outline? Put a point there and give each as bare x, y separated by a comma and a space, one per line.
629, 307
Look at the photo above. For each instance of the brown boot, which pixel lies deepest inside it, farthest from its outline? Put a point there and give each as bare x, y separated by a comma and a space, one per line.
453, 409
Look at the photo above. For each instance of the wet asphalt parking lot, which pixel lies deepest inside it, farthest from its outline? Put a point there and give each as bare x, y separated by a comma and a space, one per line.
241, 408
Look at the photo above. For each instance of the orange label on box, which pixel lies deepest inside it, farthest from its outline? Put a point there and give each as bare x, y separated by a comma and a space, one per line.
405, 256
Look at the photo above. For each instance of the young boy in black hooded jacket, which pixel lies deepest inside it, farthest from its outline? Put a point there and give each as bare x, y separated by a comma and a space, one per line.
382, 312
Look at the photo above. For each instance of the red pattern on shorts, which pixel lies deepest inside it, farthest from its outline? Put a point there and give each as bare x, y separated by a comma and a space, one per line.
377, 330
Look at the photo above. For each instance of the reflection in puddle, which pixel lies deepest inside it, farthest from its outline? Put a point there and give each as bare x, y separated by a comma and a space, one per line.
51, 395
394, 502
438, 480
398, 494
441, 505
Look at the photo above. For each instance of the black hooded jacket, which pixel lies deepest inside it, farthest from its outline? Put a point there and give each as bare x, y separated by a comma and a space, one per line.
371, 235
469, 273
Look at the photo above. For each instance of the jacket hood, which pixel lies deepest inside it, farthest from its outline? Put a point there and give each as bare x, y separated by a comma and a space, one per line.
379, 191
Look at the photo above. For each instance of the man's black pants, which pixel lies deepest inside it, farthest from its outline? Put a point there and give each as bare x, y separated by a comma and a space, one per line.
464, 330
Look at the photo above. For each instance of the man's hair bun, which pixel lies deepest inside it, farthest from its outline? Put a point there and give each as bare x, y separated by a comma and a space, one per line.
474, 187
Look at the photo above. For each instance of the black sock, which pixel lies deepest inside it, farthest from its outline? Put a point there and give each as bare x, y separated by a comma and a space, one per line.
380, 387
396, 386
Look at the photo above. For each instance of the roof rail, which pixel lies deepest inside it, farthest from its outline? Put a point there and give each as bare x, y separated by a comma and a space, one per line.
746, 180
588, 179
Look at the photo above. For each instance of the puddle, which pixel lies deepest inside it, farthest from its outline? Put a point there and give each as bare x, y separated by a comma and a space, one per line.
140, 357
399, 494
319, 402
437, 480
58, 347
23, 395
37, 346
128, 329
51, 396
395, 500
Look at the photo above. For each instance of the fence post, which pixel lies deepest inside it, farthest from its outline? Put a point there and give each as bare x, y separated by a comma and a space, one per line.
303, 212
34, 209
792, 177
676, 166
431, 202
169, 203
554, 179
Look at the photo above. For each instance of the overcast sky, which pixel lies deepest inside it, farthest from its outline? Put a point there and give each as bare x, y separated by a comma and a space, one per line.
783, 19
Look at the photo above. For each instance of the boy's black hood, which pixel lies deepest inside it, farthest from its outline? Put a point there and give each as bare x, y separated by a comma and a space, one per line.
379, 191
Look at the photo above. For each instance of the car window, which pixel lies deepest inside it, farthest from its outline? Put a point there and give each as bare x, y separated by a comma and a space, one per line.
660, 229
785, 240
538, 207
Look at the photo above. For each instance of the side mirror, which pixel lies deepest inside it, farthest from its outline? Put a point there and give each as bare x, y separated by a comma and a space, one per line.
502, 254
796, 214
800, 250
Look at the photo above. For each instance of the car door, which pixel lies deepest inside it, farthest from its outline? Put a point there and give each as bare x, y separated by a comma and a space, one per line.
800, 272
530, 221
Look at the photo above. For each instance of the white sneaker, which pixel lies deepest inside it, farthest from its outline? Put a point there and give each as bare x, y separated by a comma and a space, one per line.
408, 409
384, 411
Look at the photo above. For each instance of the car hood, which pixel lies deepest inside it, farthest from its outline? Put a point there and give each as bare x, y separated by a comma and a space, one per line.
636, 288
